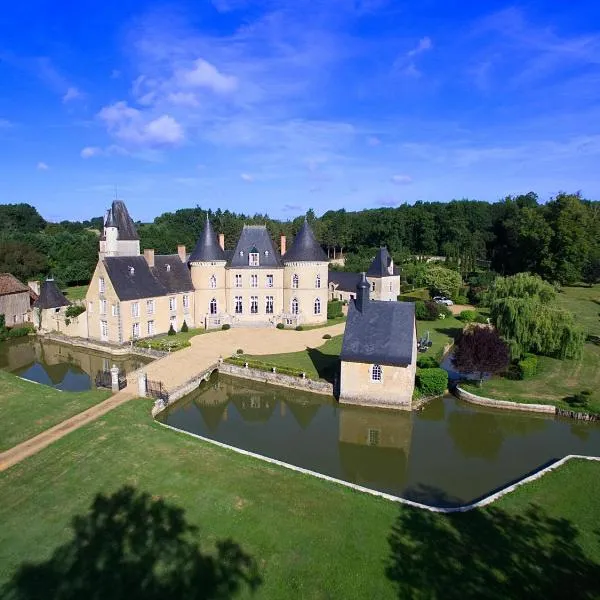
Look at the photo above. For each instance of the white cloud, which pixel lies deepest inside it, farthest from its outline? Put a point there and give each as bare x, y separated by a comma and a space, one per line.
423, 45
205, 75
247, 177
188, 99
373, 141
401, 179
405, 63
72, 94
90, 151
42, 166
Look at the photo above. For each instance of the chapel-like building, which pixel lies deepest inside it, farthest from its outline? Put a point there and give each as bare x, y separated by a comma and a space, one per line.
134, 295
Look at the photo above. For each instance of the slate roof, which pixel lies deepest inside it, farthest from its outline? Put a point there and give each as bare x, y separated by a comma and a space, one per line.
305, 247
255, 237
381, 334
9, 284
118, 216
50, 296
207, 247
380, 267
146, 282
345, 282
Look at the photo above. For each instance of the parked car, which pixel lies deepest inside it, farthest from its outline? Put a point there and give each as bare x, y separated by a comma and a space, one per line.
443, 300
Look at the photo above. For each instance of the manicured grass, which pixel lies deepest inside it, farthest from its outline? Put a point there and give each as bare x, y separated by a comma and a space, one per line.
417, 294
27, 409
441, 332
172, 342
329, 323
76, 292
309, 538
584, 303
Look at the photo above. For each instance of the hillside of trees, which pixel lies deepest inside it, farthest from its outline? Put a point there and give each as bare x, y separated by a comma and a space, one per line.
559, 240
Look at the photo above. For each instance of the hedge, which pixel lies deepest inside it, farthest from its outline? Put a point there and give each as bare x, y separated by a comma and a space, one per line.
468, 316
427, 362
432, 382
528, 366
16, 332
261, 366
334, 309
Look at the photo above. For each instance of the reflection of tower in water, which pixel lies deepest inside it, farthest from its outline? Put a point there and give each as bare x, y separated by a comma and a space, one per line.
374, 446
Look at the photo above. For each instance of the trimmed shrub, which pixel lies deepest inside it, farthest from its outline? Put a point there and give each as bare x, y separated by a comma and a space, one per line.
580, 399
432, 382
16, 332
468, 316
460, 299
327, 336
334, 309
527, 366
427, 362
171, 330
280, 326
239, 351
299, 328
226, 326
184, 328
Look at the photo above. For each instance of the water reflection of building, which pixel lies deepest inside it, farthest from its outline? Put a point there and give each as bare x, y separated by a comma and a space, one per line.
374, 446
212, 403
304, 411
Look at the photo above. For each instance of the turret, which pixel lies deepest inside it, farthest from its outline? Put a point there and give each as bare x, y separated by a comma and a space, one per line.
362, 294
119, 235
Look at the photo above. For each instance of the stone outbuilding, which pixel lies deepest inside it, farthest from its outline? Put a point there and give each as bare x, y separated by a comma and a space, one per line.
15, 300
379, 352
50, 307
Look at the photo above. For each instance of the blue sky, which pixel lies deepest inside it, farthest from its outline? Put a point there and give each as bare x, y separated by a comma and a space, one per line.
284, 105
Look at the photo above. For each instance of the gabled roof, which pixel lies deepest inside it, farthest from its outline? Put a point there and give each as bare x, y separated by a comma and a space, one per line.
118, 216
383, 333
50, 296
9, 284
305, 247
176, 278
382, 265
255, 237
344, 281
207, 247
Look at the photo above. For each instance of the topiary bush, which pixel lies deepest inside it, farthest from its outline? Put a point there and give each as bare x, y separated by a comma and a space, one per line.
184, 327
171, 330
432, 382
427, 362
299, 328
460, 299
280, 326
327, 336
239, 351
226, 326
527, 366
334, 309
468, 316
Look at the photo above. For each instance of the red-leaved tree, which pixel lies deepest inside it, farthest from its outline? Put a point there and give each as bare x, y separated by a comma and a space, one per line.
480, 349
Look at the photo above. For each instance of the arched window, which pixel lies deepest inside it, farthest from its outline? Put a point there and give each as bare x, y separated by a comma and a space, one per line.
213, 282
213, 306
295, 281
376, 373
295, 306
318, 282
317, 306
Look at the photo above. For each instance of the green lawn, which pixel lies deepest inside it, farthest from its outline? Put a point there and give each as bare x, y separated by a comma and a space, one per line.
441, 332
329, 323
584, 303
173, 342
307, 538
27, 409
76, 292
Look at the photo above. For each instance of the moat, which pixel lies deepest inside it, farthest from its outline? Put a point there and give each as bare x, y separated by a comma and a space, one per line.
66, 368
448, 454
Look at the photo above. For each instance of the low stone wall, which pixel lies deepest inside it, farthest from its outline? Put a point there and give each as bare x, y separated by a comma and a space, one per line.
101, 347
504, 404
296, 383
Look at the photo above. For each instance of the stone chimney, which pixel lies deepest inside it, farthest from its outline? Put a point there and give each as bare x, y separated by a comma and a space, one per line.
282, 245
222, 241
35, 286
181, 252
362, 294
149, 256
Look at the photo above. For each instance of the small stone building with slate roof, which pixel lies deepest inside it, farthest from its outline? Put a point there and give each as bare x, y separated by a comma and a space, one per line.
382, 275
379, 352
50, 307
15, 301
135, 295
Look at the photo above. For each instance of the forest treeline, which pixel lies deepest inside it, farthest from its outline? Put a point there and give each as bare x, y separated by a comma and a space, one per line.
559, 239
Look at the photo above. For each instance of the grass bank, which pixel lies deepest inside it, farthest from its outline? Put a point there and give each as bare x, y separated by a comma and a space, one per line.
76, 292
27, 409
308, 538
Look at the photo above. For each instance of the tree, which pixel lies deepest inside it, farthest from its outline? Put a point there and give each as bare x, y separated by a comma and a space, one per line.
23, 261
521, 285
442, 281
480, 349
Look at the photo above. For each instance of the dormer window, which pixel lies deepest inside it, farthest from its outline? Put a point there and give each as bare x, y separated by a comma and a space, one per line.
131, 270
253, 258
241, 253
168, 267
266, 253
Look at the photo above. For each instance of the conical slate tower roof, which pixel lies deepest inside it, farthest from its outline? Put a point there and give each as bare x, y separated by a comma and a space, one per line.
50, 296
382, 265
207, 247
118, 216
305, 247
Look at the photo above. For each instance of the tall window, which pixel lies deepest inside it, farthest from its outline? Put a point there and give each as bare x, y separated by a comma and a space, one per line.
269, 280
102, 307
150, 327
376, 373
212, 282
186, 301
135, 330
318, 282
269, 305
372, 286
253, 259
104, 330
295, 306
317, 306
115, 310
373, 438
254, 304
135, 309
390, 286
101, 286
150, 307
213, 306
172, 303
253, 280
238, 280
295, 281
238, 305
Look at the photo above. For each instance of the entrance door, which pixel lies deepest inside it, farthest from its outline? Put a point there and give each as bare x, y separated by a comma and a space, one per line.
174, 322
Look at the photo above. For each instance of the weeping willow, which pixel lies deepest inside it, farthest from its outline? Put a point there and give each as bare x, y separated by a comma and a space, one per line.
531, 325
521, 285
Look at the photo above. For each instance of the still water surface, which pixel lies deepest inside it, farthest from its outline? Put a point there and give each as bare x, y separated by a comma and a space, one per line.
63, 367
448, 454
